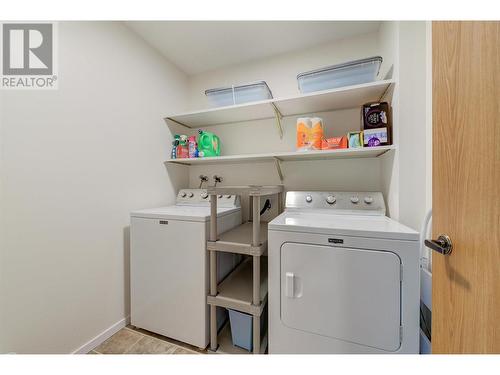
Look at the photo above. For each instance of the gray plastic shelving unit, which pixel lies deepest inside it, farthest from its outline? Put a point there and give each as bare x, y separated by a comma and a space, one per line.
245, 289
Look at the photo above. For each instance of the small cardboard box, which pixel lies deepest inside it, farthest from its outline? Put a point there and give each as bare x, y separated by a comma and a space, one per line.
333, 143
355, 139
375, 137
375, 116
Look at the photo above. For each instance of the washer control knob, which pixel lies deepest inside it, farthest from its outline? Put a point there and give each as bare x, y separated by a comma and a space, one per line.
190, 195
219, 196
354, 199
368, 200
204, 195
183, 194
309, 199
330, 199
229, 196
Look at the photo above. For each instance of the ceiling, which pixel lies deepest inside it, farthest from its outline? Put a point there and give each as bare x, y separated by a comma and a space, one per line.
199, 46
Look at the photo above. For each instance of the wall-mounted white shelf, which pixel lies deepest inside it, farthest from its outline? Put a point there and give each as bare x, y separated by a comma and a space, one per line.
321, 101
344, 153
316, 102
278, 157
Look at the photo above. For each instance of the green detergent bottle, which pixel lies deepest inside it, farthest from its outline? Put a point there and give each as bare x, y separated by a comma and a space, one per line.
208, 144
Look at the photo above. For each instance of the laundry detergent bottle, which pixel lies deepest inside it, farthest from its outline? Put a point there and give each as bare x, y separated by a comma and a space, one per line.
208, 144
193, 147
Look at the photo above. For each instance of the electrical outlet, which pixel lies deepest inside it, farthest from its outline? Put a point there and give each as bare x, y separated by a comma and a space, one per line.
273, 212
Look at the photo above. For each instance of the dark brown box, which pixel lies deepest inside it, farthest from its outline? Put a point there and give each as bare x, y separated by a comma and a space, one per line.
377, 115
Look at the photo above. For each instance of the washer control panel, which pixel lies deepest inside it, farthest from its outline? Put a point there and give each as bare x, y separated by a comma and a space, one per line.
200, 197
337, 202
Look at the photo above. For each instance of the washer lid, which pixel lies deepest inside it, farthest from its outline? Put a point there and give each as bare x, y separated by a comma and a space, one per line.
347, 225
185, 213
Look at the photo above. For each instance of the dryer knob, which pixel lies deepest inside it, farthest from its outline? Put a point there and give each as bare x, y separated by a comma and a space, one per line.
190, 195
330, 199
309, 199
368, 200
229, 196
183, 194
219, 196
204, 195
354, 200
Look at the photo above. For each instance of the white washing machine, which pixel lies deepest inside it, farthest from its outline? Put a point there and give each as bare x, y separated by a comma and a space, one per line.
169, 265
343, 277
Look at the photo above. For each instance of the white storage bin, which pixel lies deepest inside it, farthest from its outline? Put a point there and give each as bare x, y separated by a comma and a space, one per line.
251, 92
241, 328
345, 74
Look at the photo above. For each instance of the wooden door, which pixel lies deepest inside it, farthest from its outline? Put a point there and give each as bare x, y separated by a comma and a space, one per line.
466, 186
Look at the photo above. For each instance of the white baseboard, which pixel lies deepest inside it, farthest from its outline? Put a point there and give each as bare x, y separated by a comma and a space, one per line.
103, 336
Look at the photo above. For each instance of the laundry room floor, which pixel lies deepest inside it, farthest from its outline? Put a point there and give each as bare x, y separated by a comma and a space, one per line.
130, 340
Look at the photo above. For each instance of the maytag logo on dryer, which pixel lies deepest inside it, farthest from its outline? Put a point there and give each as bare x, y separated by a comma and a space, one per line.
29, 55
336, 240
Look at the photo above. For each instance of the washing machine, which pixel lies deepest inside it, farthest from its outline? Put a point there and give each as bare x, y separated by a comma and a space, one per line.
169, 277
343, 277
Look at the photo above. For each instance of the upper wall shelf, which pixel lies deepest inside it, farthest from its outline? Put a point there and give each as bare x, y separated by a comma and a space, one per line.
321, 101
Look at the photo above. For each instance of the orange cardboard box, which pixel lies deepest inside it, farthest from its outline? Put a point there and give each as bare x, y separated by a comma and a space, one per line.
333, 143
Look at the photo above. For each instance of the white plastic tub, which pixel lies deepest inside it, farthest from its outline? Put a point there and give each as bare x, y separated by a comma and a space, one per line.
345, 74
251, 92
241, 328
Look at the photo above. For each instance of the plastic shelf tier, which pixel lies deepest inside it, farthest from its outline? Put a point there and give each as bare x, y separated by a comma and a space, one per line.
236, 290
239, 240
251, 190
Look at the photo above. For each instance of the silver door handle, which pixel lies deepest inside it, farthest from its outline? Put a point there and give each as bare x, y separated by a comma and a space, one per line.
442, 245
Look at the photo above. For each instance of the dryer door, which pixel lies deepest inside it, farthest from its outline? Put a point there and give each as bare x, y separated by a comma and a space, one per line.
343, 293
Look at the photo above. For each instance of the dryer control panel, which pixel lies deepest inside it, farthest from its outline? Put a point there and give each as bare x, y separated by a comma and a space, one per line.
337, 202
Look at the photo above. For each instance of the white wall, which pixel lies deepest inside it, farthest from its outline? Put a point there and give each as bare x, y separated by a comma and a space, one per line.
262, 136
74, 163
3, 344
406, 172
389, 45
428, 117
280, 72
414, 122
426, 252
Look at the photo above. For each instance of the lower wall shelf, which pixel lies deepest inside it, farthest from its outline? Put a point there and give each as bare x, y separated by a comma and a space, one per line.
344, 153
278, 157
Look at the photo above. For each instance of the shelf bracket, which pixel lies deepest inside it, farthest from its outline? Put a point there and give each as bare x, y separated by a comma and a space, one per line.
278, 117
277, 163
386, 92
167, 119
